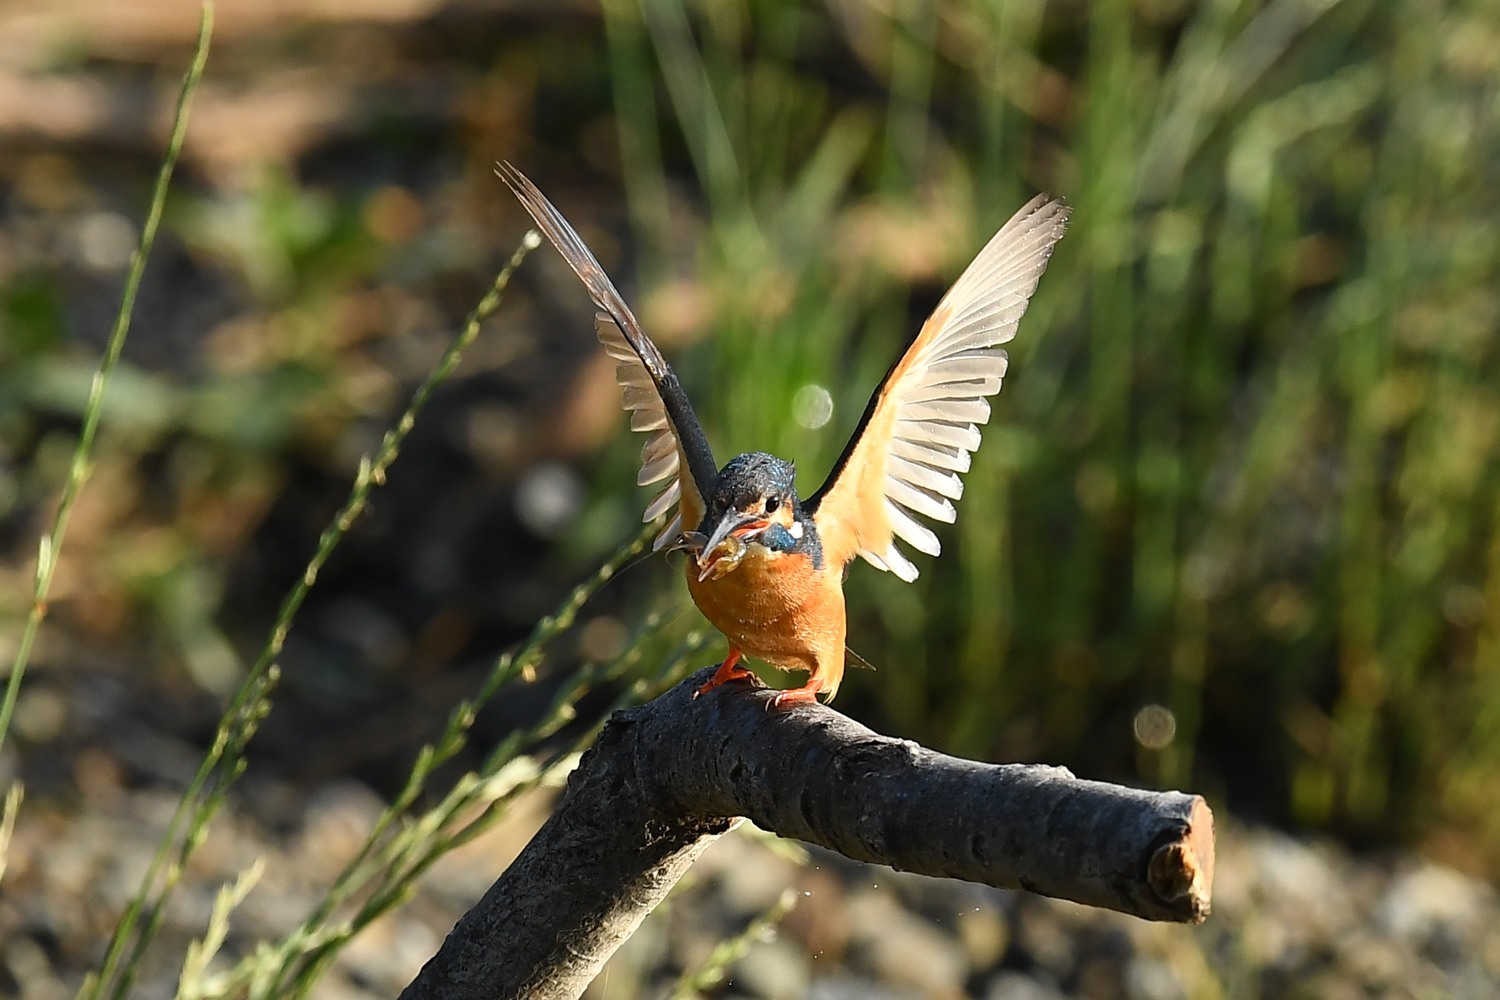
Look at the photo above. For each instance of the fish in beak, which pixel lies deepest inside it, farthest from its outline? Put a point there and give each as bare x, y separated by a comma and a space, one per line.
726, 547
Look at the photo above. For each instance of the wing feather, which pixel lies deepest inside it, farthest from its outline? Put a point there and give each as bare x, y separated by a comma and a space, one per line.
964, 438
942, 483
664, 502
960, 389
972, 411
676, 449
921, 425
662, 454
920, 501
936, 455
911, 531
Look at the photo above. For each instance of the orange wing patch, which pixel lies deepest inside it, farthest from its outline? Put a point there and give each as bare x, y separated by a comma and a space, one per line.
923, 421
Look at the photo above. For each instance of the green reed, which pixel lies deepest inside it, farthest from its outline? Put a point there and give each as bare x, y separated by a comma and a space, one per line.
1243, 462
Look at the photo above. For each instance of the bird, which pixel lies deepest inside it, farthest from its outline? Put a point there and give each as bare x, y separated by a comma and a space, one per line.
766, 566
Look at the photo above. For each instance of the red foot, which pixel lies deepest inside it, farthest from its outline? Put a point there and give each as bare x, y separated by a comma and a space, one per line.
807, 694
729, 670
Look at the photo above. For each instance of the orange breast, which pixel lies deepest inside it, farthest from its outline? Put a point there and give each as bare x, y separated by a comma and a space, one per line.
777, 607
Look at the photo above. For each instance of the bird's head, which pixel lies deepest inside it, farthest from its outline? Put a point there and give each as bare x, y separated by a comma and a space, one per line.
753, 493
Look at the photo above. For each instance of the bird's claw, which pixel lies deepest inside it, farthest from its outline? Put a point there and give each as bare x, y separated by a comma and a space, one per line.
729, 670
784, 700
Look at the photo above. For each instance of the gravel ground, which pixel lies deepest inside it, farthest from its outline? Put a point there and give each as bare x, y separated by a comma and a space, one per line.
1292, 918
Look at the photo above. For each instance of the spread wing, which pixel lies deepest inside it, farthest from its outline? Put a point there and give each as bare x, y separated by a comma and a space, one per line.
676, 449
920, 426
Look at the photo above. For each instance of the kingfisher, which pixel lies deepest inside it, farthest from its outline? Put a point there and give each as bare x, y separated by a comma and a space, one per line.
766, 567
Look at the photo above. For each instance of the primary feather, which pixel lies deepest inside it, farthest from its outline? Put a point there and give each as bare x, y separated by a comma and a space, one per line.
656, 402
921, 424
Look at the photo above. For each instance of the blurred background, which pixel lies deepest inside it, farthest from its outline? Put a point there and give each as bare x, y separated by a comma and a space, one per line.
1233, 528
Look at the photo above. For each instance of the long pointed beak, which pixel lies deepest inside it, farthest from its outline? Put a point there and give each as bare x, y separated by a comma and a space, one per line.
733, 524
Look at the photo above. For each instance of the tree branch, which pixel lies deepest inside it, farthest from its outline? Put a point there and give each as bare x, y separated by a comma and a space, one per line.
668, 777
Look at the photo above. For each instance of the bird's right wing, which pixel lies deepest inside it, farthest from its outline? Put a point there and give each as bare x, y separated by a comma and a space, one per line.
916, 434
676, 450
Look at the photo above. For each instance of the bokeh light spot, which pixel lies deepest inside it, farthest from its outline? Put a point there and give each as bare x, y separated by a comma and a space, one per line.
548, 499
812, 406
1154, 726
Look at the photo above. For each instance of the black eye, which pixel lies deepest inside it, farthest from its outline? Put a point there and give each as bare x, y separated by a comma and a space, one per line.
773, 504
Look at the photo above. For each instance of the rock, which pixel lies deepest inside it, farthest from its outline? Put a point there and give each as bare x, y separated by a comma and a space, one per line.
821, 917
1300, 880
1015, 986
775, 969
846, 987
1152, 979
1044, 938
337, 820
984, 935
903, 949
1439, 911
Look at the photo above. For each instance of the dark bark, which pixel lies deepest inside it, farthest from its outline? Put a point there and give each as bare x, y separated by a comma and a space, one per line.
665, 779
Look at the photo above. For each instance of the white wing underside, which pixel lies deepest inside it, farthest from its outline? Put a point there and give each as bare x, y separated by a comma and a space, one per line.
659, 456
940, 393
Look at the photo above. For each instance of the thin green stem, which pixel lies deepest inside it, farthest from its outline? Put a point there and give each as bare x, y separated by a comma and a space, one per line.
360, 870
711, 973
401, 846
223, 764
444, 828
78, 471
8, 814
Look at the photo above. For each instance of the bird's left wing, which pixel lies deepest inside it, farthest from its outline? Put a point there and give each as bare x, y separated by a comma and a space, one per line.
677, 449
920, 426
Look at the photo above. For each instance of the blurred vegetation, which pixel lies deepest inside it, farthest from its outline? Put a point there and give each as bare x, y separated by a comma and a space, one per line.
1245, 465
1243, 470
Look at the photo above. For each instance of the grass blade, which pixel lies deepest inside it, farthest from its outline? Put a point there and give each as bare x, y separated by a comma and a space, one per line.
78, 470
